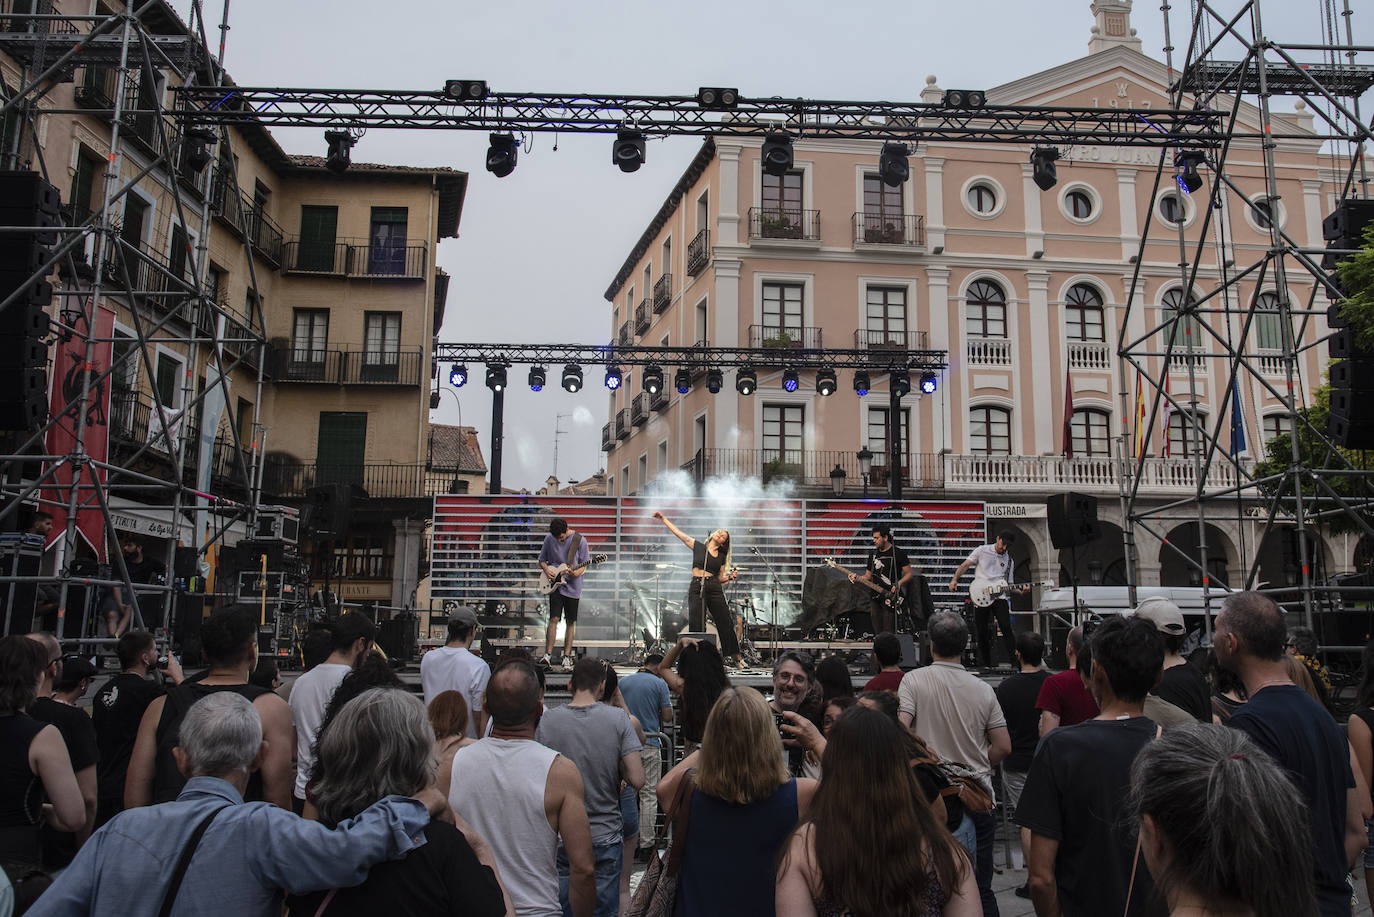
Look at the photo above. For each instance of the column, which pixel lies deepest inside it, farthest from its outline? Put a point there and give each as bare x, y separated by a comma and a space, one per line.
1035, 229
1041, 422
724, 322
935, 204
937, 295
1130, 223
405, 564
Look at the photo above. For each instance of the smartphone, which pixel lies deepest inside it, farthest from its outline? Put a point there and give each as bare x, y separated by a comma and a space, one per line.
778, 721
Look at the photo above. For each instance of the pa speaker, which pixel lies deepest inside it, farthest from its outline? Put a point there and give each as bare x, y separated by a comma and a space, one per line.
1073, 519
910, 659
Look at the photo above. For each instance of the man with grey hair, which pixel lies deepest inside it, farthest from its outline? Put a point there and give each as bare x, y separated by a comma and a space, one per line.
231, 856
958, 716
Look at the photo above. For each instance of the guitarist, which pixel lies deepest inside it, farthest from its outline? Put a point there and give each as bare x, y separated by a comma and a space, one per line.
993, 562
563, 546
889, 568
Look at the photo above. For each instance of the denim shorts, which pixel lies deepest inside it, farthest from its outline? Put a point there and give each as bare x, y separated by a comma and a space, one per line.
629, 811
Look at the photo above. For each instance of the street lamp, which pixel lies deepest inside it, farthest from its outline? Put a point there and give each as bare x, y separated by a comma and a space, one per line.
865, 458
837, 477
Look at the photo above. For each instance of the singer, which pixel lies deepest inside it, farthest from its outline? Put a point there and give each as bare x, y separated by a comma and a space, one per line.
711, 570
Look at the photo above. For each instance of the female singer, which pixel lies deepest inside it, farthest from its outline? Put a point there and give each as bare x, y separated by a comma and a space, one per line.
711, 570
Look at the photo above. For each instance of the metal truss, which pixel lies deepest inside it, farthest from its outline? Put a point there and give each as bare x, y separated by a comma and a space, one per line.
705, 357
1302, 496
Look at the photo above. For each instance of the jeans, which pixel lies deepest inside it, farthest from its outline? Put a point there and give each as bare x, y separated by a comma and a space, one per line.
607, 858
652, 758
967, 836
985, 824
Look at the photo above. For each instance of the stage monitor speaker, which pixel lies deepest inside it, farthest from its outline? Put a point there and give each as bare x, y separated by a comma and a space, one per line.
1073, 519
708, 636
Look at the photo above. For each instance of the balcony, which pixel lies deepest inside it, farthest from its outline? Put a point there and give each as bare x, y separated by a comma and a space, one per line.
784, 223
659, 401
1089, 355
888, 229
247, 219
399, 259
987, 352
1054, 473
622, 424
663, 293
878, 339
347, 367
639, 409
607, 441
323, 258
96, 88
286, 477
811, 468
622, 335
1271, 362
643, 317
699, 252
790, 338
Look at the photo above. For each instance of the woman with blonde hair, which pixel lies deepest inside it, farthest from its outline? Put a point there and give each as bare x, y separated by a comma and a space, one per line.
448, 714
743, 807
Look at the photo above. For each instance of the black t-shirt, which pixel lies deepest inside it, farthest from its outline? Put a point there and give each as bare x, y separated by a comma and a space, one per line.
75, 726
441, 877
885, 566
1016, 695
1300, 735
116, 712
1076, 794
1185, 688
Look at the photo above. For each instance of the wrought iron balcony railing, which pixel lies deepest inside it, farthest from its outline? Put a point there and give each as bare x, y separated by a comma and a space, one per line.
877, 228
699, 252
784, 223
792, 337
348, 367
883, 339
663, 293
639, 409
643, 316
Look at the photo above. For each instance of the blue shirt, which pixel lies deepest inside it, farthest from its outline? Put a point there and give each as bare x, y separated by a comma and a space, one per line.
645, 694
555, 552
250, 854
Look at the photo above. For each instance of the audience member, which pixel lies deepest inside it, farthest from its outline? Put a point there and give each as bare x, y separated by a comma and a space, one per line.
1300, 735
957, 715
34, 763
887, 651
600, 740
869, 845
73, 680
744, 804
649, 700
1016, 695
1301, 676
698, 680
117, 710
380, 745
1359, 730
448, 716
316, 647
833, 709
266, 674
1228, 693
1063, 700
241, 856
1082, 855
1180, 684
1302, 645
1221, 826
794, 674
353, 634
229, 640
523, 797
455, 667
832, 674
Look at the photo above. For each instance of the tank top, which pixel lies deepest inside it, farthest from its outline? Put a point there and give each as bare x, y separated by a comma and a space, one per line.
498, 786
702, 559
21, 790
730, 865
167, 780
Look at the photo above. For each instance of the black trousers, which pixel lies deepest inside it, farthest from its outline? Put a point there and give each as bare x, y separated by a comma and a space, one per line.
884, 618
707, 594
982, 621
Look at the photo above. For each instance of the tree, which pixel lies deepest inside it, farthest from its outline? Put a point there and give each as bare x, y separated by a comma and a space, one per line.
1357, 276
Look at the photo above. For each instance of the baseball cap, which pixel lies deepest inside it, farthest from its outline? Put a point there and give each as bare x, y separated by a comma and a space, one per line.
1163, 614
464, 615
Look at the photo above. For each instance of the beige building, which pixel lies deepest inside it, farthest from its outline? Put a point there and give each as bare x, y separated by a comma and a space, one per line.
1026, 291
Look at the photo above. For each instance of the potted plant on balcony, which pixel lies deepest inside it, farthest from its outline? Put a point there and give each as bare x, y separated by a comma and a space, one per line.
779, 468
779, 226
780, 339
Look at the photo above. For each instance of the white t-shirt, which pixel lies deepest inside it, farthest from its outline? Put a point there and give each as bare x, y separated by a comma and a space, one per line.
988, 564
456, 668
309, 697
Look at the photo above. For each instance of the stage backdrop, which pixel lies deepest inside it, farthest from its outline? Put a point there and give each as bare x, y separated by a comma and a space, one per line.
484, 551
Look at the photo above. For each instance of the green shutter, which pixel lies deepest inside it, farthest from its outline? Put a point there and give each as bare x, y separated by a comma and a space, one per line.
341, 448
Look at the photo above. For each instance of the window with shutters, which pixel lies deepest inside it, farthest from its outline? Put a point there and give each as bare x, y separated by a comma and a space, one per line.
341, 447
319, 234
387, 241
989, 431
886, 318
381, 345
309, 343
782, 433
1088, 430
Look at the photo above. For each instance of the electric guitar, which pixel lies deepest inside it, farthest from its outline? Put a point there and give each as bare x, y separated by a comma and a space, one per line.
891, 598
983, 592
548, 583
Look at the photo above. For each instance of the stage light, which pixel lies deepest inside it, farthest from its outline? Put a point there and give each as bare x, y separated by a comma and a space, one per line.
893, 168
964, 98
502, 154
652, 380
682, 381
900, 382
825, 381
746, 381
717, 98
195, 153
1188, 161
861, 382
537, 378
628, 150
929, 382
790, 380
458, 375
572, 378
715, 381
466, 90
496, 378
776, 154
613, 377
340, 142
1043, 171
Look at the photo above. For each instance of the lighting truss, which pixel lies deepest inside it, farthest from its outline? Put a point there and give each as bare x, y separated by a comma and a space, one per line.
723, 357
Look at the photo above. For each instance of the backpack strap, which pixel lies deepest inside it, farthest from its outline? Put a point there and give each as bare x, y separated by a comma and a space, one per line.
184, 862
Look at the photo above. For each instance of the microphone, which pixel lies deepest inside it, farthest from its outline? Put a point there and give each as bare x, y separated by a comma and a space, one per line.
754, 549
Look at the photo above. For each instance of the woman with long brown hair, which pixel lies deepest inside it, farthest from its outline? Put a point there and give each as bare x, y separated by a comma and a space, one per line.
870, 845
448, 714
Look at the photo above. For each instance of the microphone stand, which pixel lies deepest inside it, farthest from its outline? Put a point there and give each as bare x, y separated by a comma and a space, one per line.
773, 586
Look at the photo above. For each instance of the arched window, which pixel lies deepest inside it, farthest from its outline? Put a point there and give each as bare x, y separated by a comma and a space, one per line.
1187, 330
1083, 314
1184, 437
1088, 429
987, 310
1276, 425
1268, 330
989, 431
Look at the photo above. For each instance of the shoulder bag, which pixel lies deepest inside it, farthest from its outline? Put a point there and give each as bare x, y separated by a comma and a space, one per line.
657, 892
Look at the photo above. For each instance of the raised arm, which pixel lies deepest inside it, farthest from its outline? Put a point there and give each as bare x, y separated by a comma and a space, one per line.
665, 667
685, 539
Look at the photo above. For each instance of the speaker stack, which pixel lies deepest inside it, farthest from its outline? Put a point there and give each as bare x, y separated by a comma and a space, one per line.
1073, 520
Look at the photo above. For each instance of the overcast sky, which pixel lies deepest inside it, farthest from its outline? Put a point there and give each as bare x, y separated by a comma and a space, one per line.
537, 249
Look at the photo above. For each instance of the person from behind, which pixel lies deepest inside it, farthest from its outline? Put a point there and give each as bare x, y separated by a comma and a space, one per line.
1360, 731
74, 676
648, 699
455, 667
1302, 645
1016, 695
1064, 700
352, 634
887, 650
1180, 683
744, 805
698, 679
379, 746
832, 674
869, 844
448, 716
241, 856
1222, 828
266, 674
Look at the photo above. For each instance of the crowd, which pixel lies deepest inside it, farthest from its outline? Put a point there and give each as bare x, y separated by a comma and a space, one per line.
1143, 784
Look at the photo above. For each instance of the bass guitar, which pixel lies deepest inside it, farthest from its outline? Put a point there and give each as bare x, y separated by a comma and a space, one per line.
891, 598
548, 583
983, 592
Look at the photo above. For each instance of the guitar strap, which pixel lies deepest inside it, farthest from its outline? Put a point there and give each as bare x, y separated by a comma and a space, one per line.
574, 542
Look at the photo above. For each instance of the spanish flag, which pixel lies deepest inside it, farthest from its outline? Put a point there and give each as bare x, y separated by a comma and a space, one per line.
1139, 415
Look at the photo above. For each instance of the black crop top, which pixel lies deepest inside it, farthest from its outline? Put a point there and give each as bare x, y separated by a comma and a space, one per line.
702, 559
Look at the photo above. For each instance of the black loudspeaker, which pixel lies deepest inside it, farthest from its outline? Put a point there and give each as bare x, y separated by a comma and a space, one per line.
25, 200
1073, 519
186, 563
328, 510
708, 637
910, 659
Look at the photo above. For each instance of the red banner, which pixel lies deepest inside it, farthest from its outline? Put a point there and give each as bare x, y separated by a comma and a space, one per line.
69, 370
